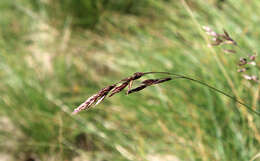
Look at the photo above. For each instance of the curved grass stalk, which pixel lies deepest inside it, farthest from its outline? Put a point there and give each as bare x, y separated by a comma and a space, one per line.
115, 88
211, 87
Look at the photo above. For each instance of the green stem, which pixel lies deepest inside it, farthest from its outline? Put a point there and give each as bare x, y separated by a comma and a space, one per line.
211, 87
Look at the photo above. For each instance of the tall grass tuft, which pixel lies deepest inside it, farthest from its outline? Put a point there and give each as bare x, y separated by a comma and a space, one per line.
48, 64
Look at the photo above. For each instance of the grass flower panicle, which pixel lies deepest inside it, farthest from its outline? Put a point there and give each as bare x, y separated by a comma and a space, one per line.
100, 96
219, 39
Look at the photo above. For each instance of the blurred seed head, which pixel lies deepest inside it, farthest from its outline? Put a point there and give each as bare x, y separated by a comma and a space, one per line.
207, 28
253, 77
225, 38
242, 70
247, 77
218, 39
229, 51
252, 57
242, 61
252, 63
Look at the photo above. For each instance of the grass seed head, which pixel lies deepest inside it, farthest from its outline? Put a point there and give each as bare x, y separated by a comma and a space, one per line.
242, 61
94, 98
139, 88
119, 88
101, 95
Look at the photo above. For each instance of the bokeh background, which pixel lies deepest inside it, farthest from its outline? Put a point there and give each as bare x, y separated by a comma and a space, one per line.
56, 53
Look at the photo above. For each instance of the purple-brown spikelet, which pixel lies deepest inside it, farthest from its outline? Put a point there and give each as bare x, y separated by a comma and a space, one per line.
252, 57
94, 98
219, 39
119, 88
228, 39
242, 61
216, 42
85, 105
149, 82
127, 82
141, 87
105, 91
113, 89
135, 76
162, 80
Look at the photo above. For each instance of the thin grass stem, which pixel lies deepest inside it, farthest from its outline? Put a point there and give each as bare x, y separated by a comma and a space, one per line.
211, 87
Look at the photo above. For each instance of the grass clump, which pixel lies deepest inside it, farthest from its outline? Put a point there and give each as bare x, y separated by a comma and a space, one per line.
48, 66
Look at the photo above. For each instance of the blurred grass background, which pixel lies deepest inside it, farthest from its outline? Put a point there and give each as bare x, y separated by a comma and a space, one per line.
55, 54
